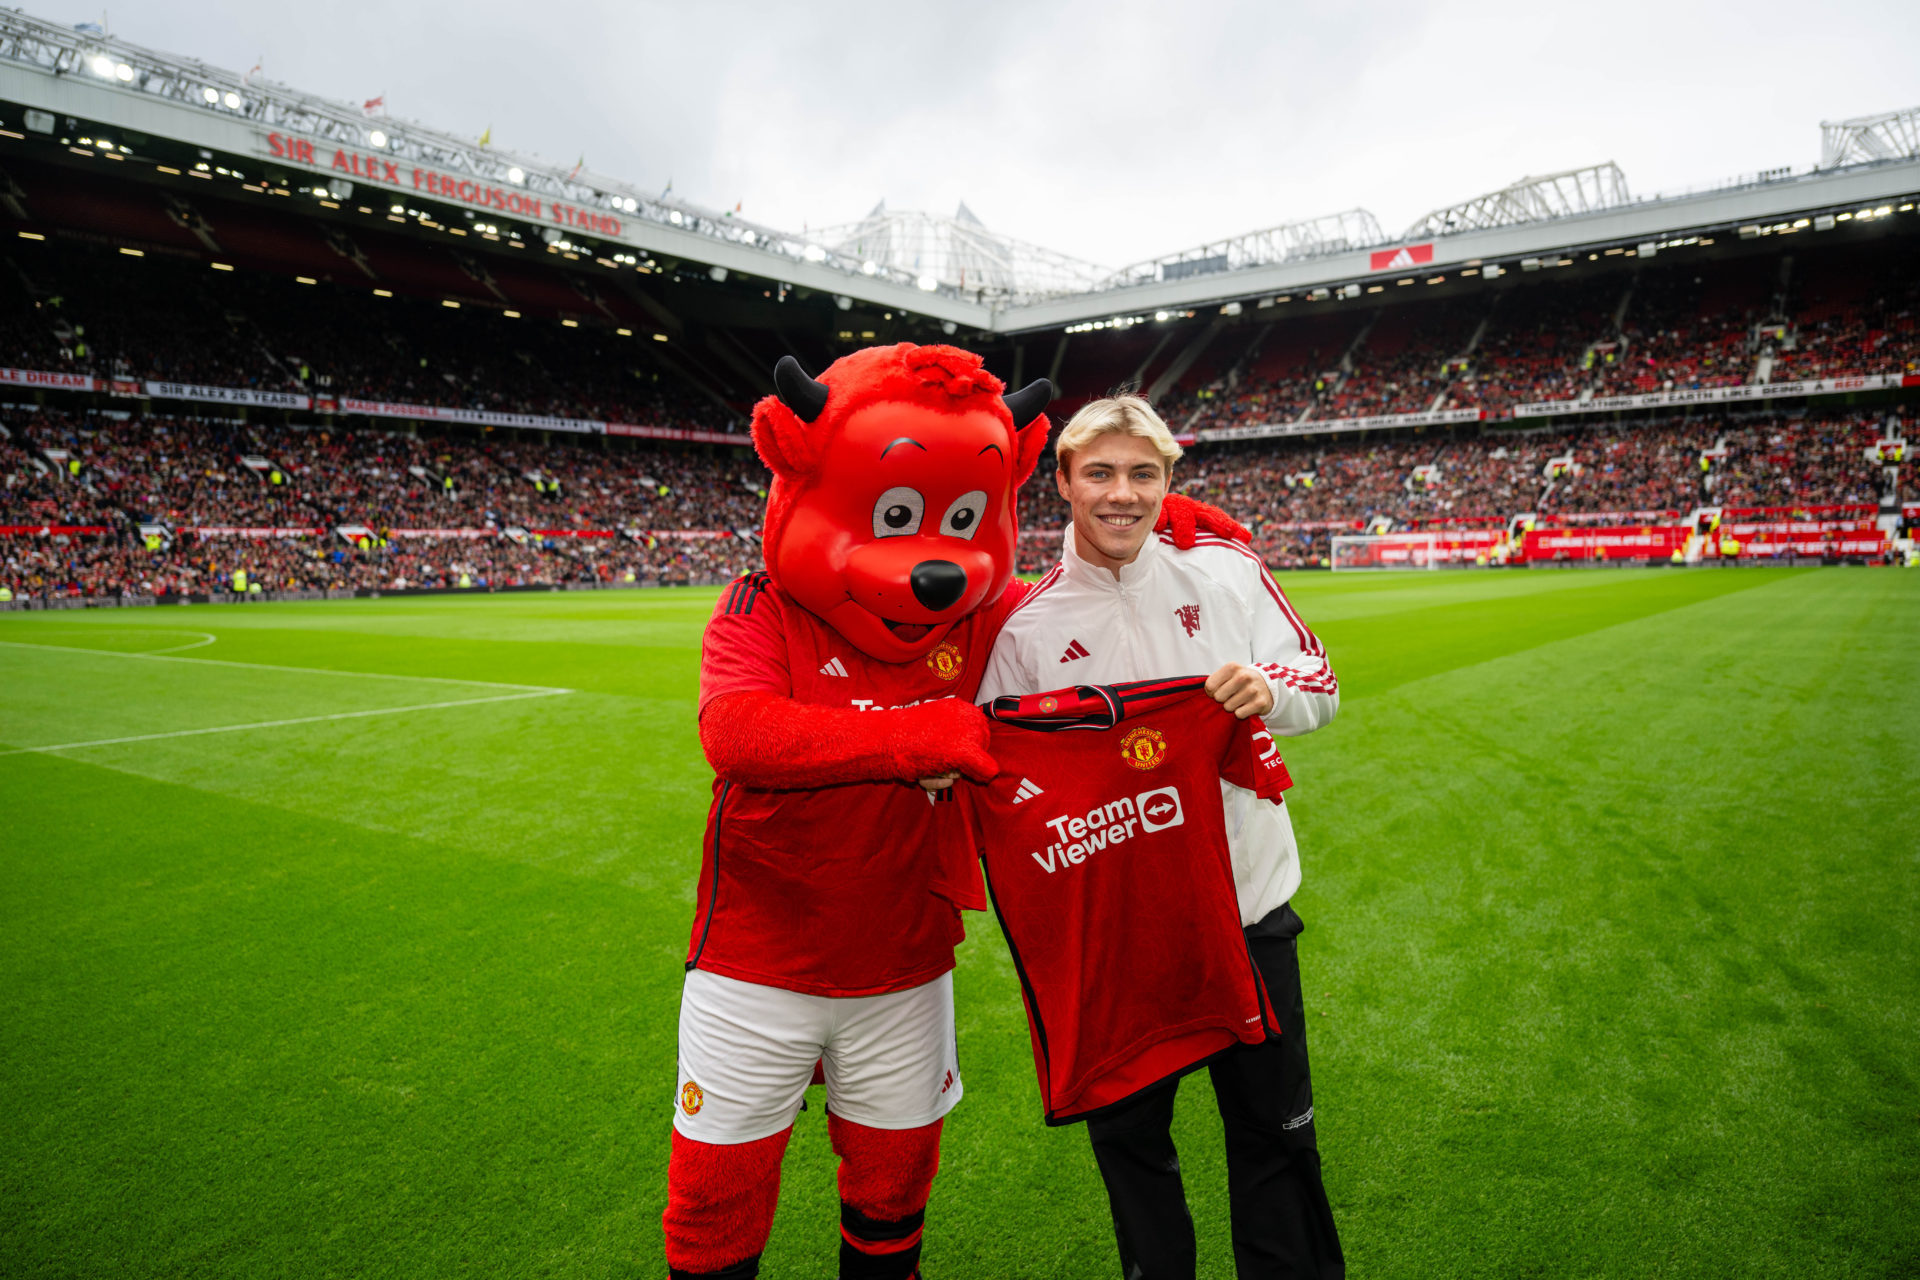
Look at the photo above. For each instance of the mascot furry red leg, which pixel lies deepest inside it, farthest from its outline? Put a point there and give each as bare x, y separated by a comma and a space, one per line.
831, 884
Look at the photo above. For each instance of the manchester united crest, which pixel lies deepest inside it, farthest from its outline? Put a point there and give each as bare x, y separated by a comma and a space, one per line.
692, 1098
1143, 748
946, 660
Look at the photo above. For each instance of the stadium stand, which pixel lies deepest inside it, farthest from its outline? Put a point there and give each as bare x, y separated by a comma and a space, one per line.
208, 382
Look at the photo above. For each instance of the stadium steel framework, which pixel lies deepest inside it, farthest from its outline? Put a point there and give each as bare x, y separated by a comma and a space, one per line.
954, 270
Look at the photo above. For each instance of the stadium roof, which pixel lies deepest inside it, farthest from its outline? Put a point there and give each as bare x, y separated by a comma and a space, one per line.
951, 269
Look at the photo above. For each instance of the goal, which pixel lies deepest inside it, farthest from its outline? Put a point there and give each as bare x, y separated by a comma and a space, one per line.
1384, 551
1455, 550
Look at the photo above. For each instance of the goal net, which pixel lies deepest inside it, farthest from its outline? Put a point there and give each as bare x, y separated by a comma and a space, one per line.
1413, 550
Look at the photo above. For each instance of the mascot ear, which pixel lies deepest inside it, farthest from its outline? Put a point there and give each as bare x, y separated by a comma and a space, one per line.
1029, 405
781, 421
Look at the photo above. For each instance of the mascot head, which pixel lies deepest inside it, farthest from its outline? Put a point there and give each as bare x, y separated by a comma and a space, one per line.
892, 509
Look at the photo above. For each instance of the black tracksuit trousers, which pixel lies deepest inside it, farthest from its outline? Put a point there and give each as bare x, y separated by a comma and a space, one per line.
1282, 1223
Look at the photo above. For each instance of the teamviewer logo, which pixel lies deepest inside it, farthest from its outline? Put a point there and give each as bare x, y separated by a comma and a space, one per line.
1159, 809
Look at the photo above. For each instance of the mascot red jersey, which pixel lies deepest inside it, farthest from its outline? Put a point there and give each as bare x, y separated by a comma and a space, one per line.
831, 884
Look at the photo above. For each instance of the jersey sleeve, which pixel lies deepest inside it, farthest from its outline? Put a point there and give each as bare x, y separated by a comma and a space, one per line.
1305, 693
1252, 760
745, 647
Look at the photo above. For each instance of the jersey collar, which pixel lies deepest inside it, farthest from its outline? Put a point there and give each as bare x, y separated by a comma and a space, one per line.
1132, 576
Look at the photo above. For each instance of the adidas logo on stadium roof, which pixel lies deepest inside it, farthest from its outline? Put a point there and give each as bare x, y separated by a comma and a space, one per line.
833, 668
1027, 790
1074, 650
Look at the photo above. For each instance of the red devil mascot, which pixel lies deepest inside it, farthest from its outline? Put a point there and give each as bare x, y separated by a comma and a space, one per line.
831, 884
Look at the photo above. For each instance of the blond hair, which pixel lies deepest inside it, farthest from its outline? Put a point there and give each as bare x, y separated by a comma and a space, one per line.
1125, 415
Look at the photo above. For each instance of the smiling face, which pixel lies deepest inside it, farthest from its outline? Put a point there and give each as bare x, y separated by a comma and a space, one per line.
906, 528
1114, 484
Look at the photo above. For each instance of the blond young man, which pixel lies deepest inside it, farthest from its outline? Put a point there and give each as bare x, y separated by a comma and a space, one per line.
1125, 604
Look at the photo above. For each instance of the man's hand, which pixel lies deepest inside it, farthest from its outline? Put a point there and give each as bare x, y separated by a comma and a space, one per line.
1241, 690
939, 781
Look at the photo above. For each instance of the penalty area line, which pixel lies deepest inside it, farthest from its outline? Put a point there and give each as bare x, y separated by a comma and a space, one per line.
161, 656
278, 724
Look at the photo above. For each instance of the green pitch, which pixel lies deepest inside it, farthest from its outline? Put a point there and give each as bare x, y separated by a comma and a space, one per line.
1613, 944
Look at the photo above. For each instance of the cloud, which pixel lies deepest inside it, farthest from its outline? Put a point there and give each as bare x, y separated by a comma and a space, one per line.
1110, 131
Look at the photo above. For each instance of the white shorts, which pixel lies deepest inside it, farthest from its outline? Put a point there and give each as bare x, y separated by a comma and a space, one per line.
747, 1054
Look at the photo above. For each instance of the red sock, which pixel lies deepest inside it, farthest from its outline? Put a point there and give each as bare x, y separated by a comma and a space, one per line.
720, 1202
885, 1178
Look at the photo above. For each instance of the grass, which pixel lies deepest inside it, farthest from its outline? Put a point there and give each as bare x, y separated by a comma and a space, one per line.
1611, 952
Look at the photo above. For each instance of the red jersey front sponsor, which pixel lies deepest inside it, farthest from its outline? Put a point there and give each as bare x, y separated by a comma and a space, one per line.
839, 890
1106, 850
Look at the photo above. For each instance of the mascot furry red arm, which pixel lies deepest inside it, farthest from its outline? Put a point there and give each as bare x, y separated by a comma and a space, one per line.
830, 886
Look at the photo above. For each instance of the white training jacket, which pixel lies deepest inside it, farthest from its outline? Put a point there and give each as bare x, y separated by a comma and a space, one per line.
1178, 613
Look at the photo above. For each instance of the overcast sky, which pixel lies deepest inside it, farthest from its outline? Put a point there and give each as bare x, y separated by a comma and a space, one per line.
1113, 132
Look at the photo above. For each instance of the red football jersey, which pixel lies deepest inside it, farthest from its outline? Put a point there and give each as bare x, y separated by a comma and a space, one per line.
1105, 845
842, 890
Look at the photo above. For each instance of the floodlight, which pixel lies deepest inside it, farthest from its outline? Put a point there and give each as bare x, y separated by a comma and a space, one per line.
377, 138
123, 72
396, 208
516, 174
948, 326
102, 65
843, 302
210, 93
718, 274
926, 284
869, 268
232, 100
814, 253
1159, 315
675, 218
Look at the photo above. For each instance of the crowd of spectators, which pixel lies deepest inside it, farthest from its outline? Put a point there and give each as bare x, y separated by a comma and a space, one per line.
81, 309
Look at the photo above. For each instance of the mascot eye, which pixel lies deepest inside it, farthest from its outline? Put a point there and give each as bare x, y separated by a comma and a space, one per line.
898, 512
963, 517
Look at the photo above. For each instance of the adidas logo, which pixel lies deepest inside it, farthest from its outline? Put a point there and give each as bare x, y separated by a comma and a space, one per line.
1074, 650
1027, 790
1400, 259
833, 668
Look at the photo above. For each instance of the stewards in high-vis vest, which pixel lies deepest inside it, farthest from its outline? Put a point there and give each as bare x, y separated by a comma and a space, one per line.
6, 593
466, 579
240, 582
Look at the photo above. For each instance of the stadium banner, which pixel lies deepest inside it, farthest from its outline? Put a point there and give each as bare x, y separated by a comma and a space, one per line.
399, 175
469, 417
1321, 426
678, 433
50, 378
1412, 255
51, 530
238, 531
571, 533
1799, 529
1713, 395
473, 534
1858, 545
228, 395
1646, 543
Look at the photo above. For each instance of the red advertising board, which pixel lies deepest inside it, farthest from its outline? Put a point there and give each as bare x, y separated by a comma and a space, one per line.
1409, 255
1650, 542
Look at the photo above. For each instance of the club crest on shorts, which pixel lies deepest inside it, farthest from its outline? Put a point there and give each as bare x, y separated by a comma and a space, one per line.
692, 1098
1143, 748
946, 660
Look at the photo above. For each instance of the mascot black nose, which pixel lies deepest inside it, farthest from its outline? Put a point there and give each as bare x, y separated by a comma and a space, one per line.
938, 583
